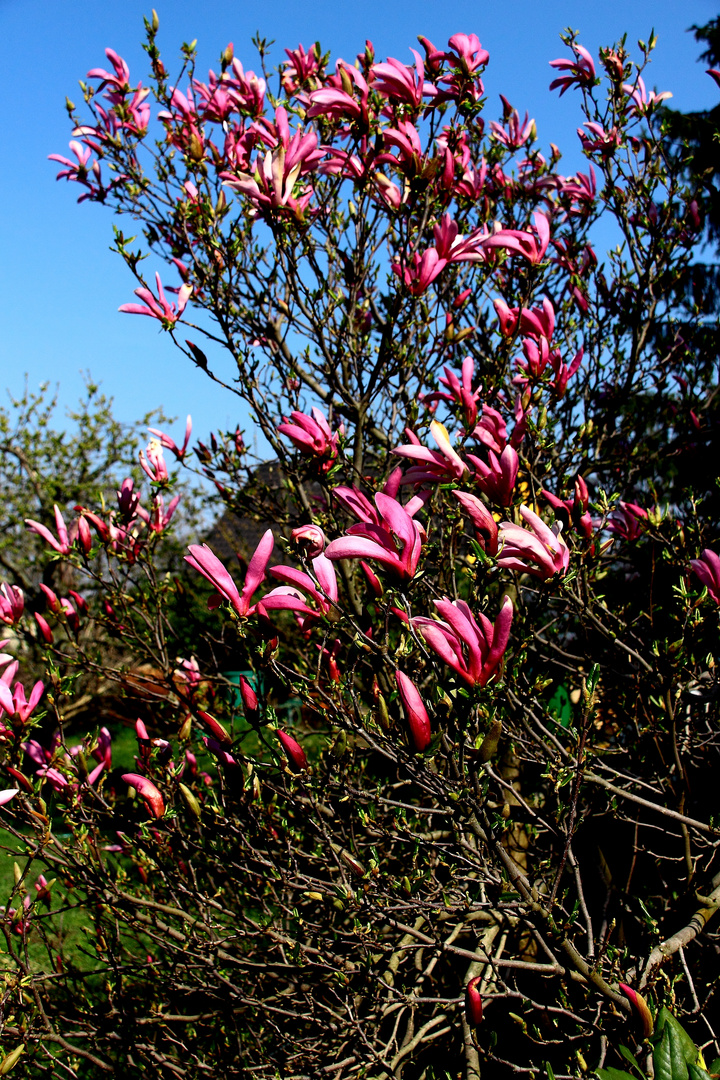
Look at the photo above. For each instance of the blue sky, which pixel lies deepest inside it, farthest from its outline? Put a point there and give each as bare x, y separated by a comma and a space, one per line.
60, 286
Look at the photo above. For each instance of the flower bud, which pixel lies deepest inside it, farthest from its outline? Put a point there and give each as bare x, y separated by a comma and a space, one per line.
294, 751
640, 1006
489, 745
10, 1060
190, 801
44, 628
147, 791
215, 728
415, 712
84, 536
473, 1002
249, 700
311, 538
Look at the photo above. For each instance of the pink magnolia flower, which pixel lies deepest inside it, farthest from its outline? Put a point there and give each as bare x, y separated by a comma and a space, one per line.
538, 550
62, 544
208, 564
536, 322
483, 522
492, 430
497, 478
627, 521
15, 704
289, 597
272, 185
515, 134
707, 570
714, 75
435, 466
154, 465
517, 242
469, 52
404, 137
401, 84
471, 647
147, 791
159, 308
118, 78
223, 756
580, 71
461, 391
599, 140
422, 271
79, 170
312, 436
644, 102
573, 512
338, 102
12, 604
300, 67
160, 518
127, 500
564, 372
415, 712
169, 444
395, 540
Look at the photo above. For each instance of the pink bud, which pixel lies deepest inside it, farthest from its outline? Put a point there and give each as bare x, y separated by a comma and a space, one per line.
311, 538
147, 791
294, 751
415, 711
249, 699
640, 1006
44, 629
215, 728
84, 536
473, 1002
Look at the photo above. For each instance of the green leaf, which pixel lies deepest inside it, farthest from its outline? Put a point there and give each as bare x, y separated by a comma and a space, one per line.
686, 1045
714, 1066
632, 1059
661, 1058
615, 1074
677, 1055
548, 1070
696, 1073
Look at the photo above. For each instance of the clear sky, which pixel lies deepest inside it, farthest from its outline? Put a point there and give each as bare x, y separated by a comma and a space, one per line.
60, 286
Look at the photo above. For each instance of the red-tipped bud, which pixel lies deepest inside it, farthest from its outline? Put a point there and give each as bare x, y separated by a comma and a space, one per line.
249, 700
52, 600
373, 580
294, 751
473, 1002
84, 536
415, 711
20, 777
640, 1006
147, 791
215, 728
44, 629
